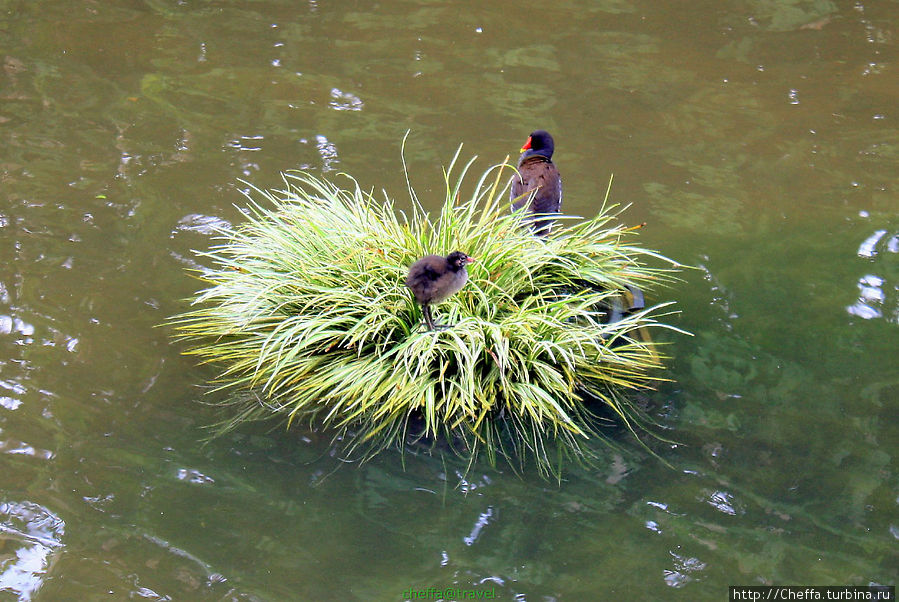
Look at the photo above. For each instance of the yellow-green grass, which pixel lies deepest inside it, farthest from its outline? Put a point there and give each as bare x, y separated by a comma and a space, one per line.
305, 306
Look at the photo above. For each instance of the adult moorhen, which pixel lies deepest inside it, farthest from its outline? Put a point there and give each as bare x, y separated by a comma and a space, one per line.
536, 171
537, 183
434, 278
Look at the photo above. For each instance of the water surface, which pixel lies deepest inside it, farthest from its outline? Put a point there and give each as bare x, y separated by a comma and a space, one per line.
757, 139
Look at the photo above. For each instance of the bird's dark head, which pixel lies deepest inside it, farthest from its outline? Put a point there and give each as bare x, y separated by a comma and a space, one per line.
458, 260
539, 143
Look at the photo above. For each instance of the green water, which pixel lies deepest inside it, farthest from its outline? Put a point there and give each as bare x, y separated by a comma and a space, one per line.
757, 139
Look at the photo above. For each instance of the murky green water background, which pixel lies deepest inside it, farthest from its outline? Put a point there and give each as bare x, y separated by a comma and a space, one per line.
757, 138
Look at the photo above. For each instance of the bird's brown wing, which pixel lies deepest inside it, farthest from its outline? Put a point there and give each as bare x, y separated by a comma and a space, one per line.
540, 175
540, 178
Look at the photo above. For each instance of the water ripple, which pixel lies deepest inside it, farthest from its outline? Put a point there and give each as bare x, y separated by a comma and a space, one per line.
345, 101
15, 447
683, 568
328, 152
192, 475
872, 288
9, 325
723, 502
483, 521
247, 143
208, 225
868, 248
32, 537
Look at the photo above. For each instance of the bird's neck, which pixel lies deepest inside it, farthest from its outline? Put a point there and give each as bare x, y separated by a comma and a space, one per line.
531, 156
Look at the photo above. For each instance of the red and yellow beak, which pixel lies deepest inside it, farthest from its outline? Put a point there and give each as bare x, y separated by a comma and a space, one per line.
527, 145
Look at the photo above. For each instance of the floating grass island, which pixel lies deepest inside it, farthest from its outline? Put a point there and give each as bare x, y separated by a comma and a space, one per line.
305, 306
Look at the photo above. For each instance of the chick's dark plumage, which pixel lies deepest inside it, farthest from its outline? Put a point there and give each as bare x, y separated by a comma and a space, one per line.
433, 278
538, 176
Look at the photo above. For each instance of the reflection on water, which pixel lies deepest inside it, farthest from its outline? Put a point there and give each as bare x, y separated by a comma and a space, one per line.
192, 475
870, 297
757, 139
683, 570
328, 152
207, 225
12, 446
9, 325
32, 541
873, 301
345, 101
723, 501
480, 524
868, 247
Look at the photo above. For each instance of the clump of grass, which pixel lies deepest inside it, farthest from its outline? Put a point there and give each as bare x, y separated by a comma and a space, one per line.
305, 306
